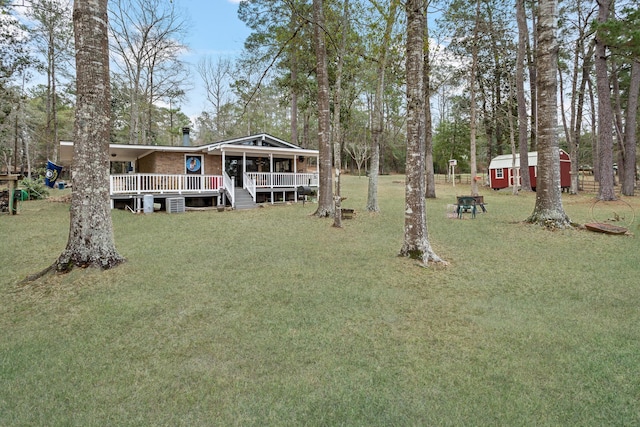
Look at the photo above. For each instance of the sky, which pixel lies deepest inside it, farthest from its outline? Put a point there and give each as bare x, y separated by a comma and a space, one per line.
215, 31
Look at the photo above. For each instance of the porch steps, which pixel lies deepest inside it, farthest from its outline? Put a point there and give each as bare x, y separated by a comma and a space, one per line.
244, 199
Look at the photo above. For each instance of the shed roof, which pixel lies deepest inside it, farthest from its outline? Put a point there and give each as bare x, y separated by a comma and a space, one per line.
505, 161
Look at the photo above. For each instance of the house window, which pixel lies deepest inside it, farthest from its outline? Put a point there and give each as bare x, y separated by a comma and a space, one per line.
193, 165
499, 174
282, 165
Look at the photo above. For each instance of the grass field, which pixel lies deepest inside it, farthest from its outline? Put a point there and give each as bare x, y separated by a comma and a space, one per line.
273, 317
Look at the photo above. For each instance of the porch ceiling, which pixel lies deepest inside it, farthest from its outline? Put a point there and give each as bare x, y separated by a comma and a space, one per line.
230, 149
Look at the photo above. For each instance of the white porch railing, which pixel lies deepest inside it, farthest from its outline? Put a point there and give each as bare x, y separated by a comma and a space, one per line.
152, 183
155, 183
282, 180
230, 188
249, 183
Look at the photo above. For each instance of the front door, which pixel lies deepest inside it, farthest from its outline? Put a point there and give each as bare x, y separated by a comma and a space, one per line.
514, 176
233, 167
237, 165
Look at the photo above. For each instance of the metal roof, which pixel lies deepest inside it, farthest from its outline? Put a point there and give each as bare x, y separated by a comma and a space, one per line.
505, 161
255, 144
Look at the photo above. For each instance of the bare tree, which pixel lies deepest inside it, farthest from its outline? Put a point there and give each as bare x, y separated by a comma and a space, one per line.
359, 152
145, 35
548, 210
215, 77
416, 241
15, 58
91, 242
53, 34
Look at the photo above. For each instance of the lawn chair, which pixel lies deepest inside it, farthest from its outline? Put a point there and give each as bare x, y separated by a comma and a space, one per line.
466, 204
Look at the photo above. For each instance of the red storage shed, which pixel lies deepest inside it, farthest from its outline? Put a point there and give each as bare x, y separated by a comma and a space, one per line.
501, 175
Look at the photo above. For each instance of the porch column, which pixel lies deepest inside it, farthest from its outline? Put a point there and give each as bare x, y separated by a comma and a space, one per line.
271, 171
223, 163
244, 169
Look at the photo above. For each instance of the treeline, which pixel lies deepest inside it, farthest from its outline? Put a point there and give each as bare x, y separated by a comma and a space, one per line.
473, 47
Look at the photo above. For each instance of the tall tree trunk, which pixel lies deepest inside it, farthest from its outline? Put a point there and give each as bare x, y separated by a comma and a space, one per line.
498, 112
532, 62
134, 118
605, 113
54, 100
512, 142
294, 85
416, 241
430, 182
618, 125
50, 143
573, 139
577, 118
337, 127
306, 128
325, 193
548, 210
377, 121
91, 240
580, 74
594, 133
629, 177
472, 93
523, 144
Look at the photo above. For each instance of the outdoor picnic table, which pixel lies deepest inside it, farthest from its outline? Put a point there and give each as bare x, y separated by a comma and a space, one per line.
469, 204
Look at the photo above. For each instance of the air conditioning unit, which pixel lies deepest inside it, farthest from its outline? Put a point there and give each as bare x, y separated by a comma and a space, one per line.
175, 205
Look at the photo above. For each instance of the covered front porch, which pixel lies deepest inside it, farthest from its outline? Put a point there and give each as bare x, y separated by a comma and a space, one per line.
268, 169
220, 190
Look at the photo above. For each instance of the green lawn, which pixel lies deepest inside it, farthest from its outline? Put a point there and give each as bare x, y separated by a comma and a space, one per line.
273, 317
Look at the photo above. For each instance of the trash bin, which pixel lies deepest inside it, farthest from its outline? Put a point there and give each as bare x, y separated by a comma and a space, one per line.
20, 195
147, 203
61, 186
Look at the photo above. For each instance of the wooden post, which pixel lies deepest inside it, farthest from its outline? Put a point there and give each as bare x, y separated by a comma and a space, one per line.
12, 181
12, 209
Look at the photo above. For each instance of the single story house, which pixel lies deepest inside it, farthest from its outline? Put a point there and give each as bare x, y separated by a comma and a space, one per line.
238, 172
501, 174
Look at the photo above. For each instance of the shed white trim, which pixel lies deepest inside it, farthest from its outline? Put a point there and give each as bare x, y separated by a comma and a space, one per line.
505, 161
